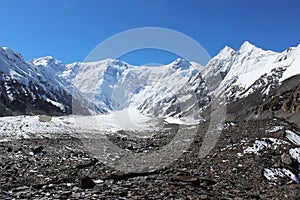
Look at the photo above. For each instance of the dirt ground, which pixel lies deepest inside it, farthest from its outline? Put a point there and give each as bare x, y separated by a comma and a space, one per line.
62, 168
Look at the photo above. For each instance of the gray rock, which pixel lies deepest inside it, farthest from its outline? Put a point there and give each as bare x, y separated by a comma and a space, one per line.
286, 159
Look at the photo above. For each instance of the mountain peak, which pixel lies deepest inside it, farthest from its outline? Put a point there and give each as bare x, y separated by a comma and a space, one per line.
247, 47
10, 53
180, 63
226, 51
47, 60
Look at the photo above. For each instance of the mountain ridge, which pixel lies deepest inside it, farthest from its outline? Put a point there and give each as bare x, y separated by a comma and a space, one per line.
109, 84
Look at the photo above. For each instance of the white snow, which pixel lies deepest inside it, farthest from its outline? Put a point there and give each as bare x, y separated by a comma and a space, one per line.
248, 64
264, 143
57, 104
273, 174
181, 121
295, 153
29, 126
274, 129
41, 72
128, 119
116, 85
293, 137
293, 69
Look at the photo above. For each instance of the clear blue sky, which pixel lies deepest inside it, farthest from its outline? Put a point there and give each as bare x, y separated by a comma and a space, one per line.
70, 29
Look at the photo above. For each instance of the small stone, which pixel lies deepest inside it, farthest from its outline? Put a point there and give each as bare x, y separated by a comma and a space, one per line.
22, 188
86, 182
130, 147
185, 178
9, 149
69, 184
75, 188
38, 150
286, 159
203, 196
98, 181
238, 198
23, 195
57, 196
76, 195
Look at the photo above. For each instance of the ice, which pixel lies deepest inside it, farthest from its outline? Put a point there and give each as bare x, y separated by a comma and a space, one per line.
294, 68
57, 104
181, 121
273, 174
293, 137
295, 153
117, 85
249, 64
264, 143
274, 129
31, 127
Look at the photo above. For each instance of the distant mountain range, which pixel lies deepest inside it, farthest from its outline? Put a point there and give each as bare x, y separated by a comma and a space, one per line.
48, 86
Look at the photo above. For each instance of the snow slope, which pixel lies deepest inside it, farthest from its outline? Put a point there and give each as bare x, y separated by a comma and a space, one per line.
169, 90
251, 68
164, 90
28, 86
116, 85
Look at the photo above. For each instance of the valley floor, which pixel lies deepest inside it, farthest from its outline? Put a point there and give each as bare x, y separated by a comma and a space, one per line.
251, 160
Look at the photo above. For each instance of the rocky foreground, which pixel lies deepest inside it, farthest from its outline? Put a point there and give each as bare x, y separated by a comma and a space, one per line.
251, 160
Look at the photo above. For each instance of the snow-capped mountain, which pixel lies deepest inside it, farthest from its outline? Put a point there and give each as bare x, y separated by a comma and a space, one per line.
77, 99
170, 90
115, 85
251, 68
35, 87
27, 88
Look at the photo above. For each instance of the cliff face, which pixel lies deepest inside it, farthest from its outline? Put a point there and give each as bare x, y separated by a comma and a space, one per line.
286, 102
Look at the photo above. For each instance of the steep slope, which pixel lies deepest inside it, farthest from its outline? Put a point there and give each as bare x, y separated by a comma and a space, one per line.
245, 79
115, 85
180, 88
253, 81
285, 103
29, 89
78, 102
251, 68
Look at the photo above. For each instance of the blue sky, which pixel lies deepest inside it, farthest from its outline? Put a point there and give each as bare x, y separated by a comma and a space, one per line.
70, 29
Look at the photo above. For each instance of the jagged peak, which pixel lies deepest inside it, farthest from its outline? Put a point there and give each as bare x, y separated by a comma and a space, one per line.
247, 47
107, 62
47, 61
10, 53
180, 63
226, 52
227, 49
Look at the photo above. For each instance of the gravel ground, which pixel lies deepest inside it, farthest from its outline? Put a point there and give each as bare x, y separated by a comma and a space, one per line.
62, 168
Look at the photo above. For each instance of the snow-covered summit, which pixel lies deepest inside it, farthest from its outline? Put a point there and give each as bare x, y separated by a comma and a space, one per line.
114, 85
180, 63
50, 62
247, 47
242, 68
